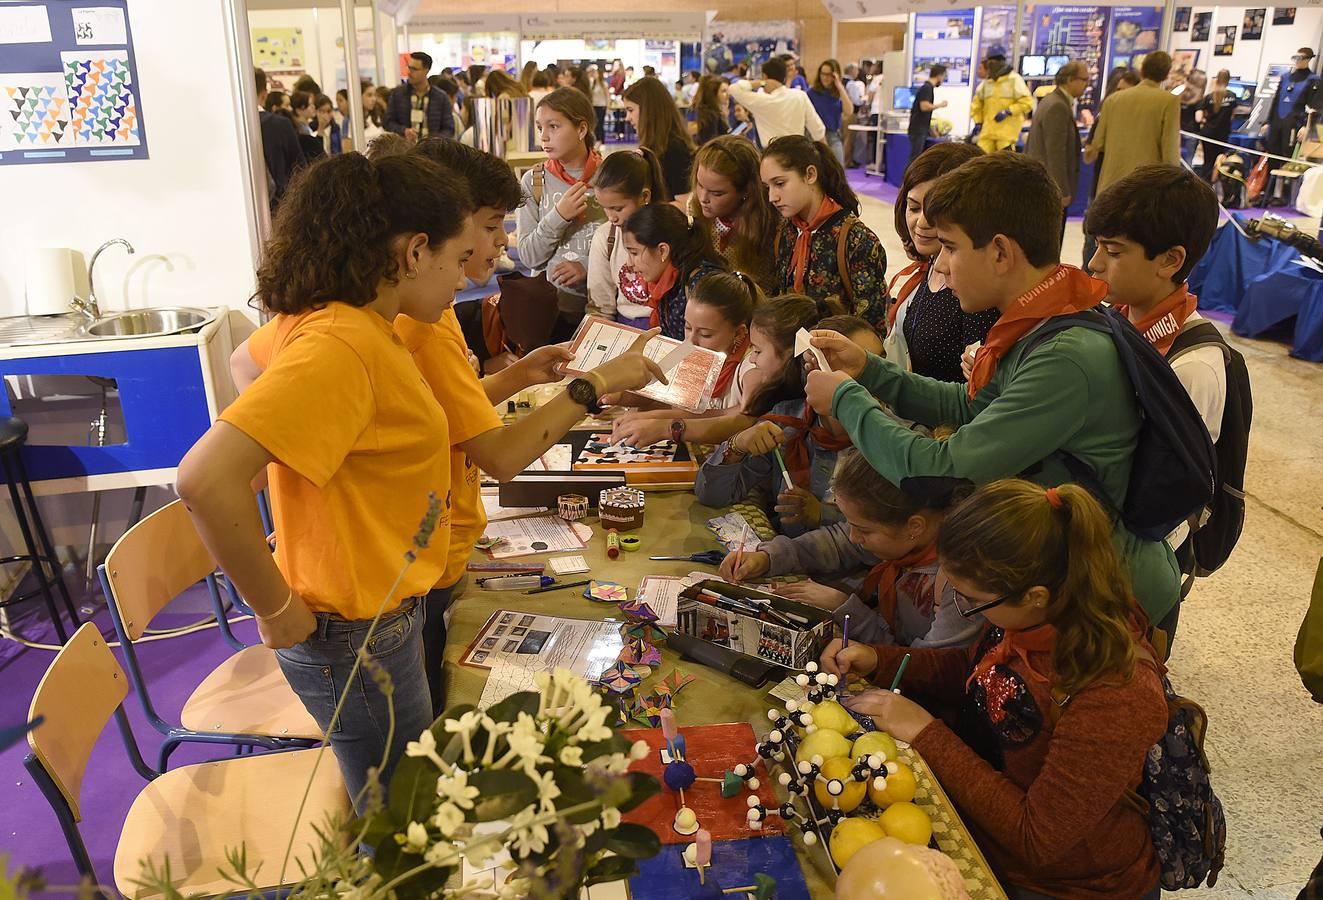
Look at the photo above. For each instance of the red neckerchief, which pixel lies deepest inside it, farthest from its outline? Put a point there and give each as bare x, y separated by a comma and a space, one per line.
882, 580
728, 368
1017, 644
557, 168
917, 271
724, 230
657, 291
799, 259
1066, 290
1164, 321
795, 450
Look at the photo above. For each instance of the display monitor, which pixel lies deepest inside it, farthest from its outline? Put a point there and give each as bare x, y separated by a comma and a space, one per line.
1054, 64
1243, 91
1033, 66
902, 97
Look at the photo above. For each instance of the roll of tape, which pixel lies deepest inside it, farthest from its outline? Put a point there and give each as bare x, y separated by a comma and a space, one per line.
630, 543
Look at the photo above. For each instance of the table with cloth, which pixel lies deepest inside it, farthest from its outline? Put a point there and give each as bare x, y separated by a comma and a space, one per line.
675, 524
1259, 282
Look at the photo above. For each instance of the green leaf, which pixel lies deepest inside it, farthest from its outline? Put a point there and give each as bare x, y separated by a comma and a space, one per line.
634, 841
502, 793
379, 828
413, 790
613, 868
428, 883
642, 787
575, 790
614, 744
508, 710
595, 842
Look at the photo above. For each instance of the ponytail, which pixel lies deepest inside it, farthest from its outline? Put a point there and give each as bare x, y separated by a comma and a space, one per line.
1012, 535
662, 223
734, 295
797, 152
632, 173
333, 231
780, 319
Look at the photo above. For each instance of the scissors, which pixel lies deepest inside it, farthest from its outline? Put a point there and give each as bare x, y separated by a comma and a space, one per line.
706, 557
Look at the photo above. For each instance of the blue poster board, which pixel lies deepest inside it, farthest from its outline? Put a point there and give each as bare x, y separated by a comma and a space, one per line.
1135, 32
946, 38
68, 83
1077, 32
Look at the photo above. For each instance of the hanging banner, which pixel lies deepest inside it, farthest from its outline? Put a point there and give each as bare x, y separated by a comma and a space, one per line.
1077, 32
659, 26
995, 31
1135, 32
946, 38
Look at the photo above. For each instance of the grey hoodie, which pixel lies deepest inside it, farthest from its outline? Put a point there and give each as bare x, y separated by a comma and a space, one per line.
546, 238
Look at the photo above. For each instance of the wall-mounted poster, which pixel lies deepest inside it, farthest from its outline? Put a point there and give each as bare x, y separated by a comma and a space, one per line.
995, 30
1134, 31
1077, 32
729, 43
281, 49
1283, 15
1226, 40
1201, 26
1182, 20
1183, 62
68, 84
1252, 29
946, 38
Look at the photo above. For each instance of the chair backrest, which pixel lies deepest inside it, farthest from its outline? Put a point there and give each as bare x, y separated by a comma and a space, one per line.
153, 563
80, 691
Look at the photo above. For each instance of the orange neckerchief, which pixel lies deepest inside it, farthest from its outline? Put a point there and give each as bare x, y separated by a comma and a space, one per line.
917, 272
1164, 321
728, 368
557, 168
795, 450
1017, 644
882, 580
1067, 290
799, 259
657, 290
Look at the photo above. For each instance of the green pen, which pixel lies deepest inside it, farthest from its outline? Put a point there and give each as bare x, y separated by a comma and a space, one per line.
785, 473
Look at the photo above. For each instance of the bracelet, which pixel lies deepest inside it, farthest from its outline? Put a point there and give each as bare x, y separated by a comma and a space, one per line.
278, 613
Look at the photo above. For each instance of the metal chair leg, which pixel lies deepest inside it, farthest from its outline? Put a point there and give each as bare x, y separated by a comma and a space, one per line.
47, 548
38, 566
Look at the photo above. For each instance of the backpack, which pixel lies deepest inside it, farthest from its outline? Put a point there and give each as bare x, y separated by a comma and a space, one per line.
842, 263
1173, 475
1211, 542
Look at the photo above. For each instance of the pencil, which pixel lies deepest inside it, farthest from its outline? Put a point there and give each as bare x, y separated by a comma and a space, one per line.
895, 682
739, 551
785, 473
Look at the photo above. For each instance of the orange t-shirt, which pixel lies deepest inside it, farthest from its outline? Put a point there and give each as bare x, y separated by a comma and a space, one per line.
442, 356
357, 437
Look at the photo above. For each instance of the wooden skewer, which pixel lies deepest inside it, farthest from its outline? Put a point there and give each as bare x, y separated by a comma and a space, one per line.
741, 890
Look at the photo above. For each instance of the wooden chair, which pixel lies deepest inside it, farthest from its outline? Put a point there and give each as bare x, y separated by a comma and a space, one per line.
190, 816
245, 701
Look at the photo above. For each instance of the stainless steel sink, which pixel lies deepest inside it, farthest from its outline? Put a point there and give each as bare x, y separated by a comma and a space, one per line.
149, 322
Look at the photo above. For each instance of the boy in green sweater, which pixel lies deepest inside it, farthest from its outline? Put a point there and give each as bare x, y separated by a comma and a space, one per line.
998, 220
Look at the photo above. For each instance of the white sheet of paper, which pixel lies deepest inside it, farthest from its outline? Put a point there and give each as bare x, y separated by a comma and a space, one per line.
803, 345
24, 25
507, 677
491, 502
567, 565
662, 593
538, 534
99, 25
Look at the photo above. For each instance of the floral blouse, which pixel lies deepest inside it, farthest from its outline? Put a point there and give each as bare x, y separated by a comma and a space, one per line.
670, 313
864, 255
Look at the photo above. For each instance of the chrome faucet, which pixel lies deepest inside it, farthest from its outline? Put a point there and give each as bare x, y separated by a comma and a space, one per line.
89, 307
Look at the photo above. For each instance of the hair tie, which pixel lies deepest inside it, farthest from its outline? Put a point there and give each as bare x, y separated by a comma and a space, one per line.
1053, 498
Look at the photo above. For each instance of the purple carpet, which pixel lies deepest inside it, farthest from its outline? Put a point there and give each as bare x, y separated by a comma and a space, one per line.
29, 832
874, 186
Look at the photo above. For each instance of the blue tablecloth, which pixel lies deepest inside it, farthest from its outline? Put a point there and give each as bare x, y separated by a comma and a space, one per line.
1260, 283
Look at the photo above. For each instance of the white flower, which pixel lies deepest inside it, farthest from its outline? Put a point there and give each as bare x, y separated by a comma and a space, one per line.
415, 838
546, 788
425, 746
616, 763
527, 835
480, 850
595, 729
587, 830
640, 750
517, 889
526, 742
571, 756
455, 788
448, 818
610, 818
467, 723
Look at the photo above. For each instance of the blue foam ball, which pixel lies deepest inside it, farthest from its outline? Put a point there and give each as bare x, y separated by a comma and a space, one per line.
679, 775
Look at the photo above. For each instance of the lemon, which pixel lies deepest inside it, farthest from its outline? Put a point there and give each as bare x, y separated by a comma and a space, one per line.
850, 835
852, 796
900, 788
906, 821
875, 742
832, 716
825, 743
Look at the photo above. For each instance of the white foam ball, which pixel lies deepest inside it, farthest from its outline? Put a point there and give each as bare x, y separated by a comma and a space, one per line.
811, 667
752, 801
802, 680
810, 838
754, 783
876, 761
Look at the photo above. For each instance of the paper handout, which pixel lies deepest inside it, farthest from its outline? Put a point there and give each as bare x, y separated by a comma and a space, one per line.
803, 345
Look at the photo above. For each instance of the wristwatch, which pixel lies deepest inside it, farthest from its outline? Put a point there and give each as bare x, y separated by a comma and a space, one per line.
677, 430
584, 392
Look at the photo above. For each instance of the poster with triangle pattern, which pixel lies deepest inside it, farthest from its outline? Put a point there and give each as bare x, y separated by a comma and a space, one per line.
34, 111
100, 89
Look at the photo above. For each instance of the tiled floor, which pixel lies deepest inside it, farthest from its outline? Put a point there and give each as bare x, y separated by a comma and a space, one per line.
1233, 652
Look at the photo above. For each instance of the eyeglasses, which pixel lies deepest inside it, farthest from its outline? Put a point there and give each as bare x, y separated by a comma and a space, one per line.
1300, 57
968, 607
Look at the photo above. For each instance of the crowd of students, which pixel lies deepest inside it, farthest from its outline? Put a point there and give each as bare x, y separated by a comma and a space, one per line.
932, 468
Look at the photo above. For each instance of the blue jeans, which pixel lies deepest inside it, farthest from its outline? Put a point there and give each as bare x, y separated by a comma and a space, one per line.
833, 139
318, 670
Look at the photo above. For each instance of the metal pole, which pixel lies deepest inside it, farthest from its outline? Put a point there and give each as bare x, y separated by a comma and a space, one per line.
351, 68
248, 126
376, 45
835, 34
1015, 38
1169, 19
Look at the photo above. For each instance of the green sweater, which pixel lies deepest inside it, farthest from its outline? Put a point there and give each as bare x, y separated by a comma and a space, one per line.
1069, 395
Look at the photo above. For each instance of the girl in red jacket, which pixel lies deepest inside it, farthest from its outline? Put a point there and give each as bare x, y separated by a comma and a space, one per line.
1060, 699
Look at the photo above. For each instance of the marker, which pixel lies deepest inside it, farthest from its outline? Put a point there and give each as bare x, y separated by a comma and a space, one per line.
845, 632
556, 586
612, 543
785, 473
514, 582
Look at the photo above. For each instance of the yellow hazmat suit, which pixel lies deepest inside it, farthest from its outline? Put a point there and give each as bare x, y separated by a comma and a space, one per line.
1007, 92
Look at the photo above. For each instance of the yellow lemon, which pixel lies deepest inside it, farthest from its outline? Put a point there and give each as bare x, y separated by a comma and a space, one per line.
833, 717
874, 742
907, 822
824, 743
852, 796
900, 788
850, 835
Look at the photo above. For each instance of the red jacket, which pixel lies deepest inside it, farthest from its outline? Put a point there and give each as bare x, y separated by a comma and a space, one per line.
1045, 797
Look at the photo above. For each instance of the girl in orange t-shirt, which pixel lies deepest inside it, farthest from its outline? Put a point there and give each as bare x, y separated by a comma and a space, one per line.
347, 431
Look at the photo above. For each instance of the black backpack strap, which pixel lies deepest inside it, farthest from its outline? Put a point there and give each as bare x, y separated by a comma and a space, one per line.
1194, 335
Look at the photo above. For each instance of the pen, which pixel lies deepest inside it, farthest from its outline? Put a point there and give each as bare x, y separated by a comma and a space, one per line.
785, 473
555, 586
895, 682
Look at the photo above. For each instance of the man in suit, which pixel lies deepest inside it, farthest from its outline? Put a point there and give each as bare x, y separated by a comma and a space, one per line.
280, 144
1054, 138
417, 109
1138, 127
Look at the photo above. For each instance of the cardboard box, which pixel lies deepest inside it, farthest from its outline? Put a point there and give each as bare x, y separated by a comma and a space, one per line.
792, 646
